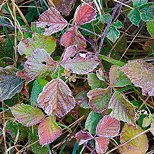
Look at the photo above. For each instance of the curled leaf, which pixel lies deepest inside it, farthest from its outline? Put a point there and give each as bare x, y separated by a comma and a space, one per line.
56, 98
53, 19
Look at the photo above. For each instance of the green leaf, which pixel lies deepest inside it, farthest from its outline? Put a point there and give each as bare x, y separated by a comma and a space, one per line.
27, 115
150, 28
36, 90
134, 16
137, 3
147, 12
37, 41
117, 77
94, 82
138, 145
10, 84
122, 109
92, 121
105, 18
113, 34
118, 24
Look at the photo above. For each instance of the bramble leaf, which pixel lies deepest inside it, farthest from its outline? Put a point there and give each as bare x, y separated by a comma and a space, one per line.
85, 13
83, 136
138, 145
101, 144
117, 77
53, 19
72, 37
28, 46
108, 127
150, 25
56, 98
134, 16
27, 115
48, 130
10, 84
122, 109
80, 64
141, 74
137, 3
99, 99
92, 121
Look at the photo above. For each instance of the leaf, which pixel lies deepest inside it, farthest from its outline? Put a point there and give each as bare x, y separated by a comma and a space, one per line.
152, 128
85, 13
134, 16
117, 77
72, 37
141, 74
99, 99
53, 19
83, 136
27, 115
101, 144
82, 99
138, 145
113, 34
105, 17
150, 25
147, 12
147, 121
80, 64
56, 98
64, 6
39, 64
36, 90
122, 109
48, 130
33, 137
94, 82
92, 121
137, 3
10, 84
28, 46
108, 127
118, 24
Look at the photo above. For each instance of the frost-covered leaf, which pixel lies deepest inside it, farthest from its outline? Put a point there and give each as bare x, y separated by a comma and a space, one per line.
26, 114
83, 136
147, 121
137, 3
113, 34
101, 144
10, 84
105, 17
150, 25
80, 64
37, 41
36, 90
108, 127
152, 128
72, 37
138, 145
122, 109
94, 82
118, 24
39, 64
56, 98
85, 13
99, 99
147, 12
82, 99
48, 130
92, 121
64, 6
117, 77
134, 16
141, 74
53, 19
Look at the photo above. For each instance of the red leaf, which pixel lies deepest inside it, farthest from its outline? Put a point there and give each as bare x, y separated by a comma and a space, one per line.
85, 13
72, 37
101, 144
108, 127
83, 136
56, 98
48, 130
53, 19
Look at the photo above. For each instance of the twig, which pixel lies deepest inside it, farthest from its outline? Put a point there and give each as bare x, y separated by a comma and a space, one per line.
124, 4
